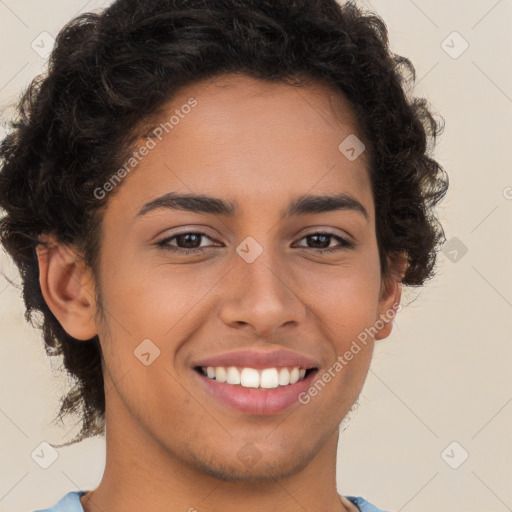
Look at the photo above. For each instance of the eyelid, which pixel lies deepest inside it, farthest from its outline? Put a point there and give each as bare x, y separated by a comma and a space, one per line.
317, 230
347, 241
186, 229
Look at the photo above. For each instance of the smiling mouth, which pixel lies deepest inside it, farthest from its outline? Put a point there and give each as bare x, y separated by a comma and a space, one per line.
261, 378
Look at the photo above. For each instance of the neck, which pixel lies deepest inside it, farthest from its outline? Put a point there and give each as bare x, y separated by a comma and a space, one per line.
142, 474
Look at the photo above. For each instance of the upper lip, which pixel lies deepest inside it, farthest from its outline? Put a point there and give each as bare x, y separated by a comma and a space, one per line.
252, 358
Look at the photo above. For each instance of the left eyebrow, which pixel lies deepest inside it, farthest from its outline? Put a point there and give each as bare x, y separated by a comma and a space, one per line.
319, 204
303, 205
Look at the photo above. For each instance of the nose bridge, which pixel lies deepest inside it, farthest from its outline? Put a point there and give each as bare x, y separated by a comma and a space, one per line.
260, 292
264, 275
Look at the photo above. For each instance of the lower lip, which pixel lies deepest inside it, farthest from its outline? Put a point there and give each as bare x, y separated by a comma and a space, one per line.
263, 402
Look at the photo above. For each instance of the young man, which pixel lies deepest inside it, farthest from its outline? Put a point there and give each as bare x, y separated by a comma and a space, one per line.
222, 201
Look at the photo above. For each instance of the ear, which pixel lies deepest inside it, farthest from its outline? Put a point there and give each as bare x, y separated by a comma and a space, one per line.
67, 286
391, 294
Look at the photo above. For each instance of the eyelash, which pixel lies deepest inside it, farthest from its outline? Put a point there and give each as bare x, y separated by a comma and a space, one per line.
164, 243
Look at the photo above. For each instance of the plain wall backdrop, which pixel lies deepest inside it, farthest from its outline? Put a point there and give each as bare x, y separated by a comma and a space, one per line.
440, 388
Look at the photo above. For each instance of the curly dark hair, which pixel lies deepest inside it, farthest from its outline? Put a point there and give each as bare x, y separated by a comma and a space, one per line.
110, 72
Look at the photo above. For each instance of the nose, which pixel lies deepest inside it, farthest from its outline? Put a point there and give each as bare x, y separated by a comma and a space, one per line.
261, 295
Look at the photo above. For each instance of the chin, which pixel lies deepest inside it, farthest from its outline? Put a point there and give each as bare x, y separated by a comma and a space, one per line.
262, 468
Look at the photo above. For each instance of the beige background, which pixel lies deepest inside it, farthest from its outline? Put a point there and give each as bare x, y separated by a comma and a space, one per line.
443, 375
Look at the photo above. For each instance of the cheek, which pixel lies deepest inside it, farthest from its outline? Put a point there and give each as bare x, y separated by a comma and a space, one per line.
148, 300
345, 301
345, 295
160, 303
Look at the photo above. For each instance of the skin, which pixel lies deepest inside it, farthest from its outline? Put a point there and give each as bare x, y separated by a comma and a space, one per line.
170, 446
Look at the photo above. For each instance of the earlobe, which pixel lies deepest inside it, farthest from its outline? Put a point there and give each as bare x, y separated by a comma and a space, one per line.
67, 287
391, 294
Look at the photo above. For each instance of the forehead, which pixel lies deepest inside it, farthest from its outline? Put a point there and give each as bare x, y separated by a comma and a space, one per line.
251, 139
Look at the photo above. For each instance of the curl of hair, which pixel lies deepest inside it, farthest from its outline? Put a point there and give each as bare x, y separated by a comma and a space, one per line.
111, 71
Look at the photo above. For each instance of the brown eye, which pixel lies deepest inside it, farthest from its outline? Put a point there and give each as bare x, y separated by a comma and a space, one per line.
188, 242
321, 242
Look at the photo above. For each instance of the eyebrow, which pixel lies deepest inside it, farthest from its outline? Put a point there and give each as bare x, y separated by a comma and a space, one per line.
303, 205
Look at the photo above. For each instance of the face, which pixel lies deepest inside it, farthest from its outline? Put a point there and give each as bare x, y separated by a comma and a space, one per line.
251, 289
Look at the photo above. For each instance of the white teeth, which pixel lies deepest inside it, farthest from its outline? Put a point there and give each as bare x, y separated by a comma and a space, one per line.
220, 374
267, 378
233, 376
284, 377
294, 376
250, 378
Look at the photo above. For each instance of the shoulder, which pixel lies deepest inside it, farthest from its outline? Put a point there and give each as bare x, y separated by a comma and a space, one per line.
363, 505
70, 502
